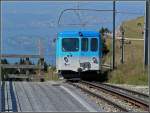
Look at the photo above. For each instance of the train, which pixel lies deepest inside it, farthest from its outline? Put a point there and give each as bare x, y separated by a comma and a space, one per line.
78, 52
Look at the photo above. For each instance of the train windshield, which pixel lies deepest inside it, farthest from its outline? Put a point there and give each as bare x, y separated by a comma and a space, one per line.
70, 44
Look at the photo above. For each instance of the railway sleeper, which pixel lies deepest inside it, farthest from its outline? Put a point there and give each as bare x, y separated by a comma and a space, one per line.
138, 102
99, 96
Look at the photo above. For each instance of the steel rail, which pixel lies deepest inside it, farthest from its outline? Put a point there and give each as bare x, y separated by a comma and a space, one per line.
130, 98
100, 97
125, 89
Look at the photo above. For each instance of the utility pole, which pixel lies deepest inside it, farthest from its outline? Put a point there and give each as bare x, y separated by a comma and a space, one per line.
148, 38
0, 46
122, 45
146, 34
114, 32
41, 60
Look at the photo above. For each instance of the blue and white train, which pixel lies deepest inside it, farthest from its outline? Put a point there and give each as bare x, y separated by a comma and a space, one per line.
78, 52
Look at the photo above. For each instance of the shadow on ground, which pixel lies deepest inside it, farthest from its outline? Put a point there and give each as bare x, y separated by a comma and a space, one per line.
101, 77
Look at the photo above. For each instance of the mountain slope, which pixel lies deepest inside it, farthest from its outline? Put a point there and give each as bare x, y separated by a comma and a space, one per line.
134, 28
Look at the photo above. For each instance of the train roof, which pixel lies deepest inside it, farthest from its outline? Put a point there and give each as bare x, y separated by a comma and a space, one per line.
79, 33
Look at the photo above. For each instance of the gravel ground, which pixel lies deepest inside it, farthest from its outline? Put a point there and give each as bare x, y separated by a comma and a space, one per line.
85, 97
102, 104
109, 108
143, 89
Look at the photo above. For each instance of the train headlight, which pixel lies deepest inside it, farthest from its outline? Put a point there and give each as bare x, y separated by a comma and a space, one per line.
95, 60
66, 59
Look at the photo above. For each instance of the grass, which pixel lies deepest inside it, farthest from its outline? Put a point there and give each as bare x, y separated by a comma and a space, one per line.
133, 28
51, 75
47, 76
132, 71
129, 74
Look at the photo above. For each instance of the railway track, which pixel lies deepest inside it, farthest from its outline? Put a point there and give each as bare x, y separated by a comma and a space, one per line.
125, 90
134, 100
99, 96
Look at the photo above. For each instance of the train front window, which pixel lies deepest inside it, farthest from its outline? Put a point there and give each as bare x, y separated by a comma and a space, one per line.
84, 44
94, 44
70, 44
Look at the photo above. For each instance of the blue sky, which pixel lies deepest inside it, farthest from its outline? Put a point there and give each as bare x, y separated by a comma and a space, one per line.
25, 23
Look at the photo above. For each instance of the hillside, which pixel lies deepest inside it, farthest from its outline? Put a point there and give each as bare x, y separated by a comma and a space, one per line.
134, 28
132, 71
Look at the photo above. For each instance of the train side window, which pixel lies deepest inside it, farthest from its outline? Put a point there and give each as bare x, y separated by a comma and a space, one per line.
84, 44
94, 44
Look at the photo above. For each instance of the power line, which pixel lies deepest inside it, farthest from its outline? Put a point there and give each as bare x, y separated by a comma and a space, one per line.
96, 10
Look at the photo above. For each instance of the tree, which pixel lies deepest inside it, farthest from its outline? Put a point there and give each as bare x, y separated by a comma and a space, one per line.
105, 49
4, 61
104, 30
139, 25
45, 66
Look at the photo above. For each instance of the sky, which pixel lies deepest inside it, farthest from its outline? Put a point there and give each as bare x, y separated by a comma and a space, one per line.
25, 24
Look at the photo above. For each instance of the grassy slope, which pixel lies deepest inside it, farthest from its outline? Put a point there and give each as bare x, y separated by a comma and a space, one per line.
133, 30
132, 71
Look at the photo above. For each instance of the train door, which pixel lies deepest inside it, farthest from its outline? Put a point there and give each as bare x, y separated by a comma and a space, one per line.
94, 53
84, 54
70, 53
